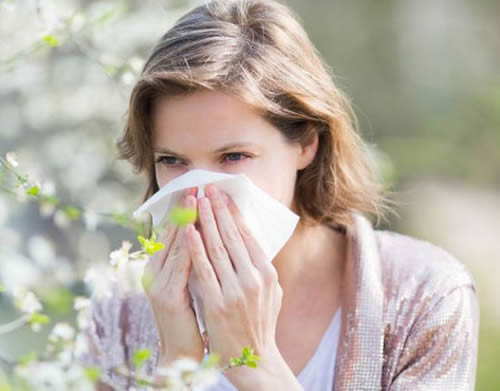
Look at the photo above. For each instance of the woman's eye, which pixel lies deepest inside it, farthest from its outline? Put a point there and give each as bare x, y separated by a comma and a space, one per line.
164, 160
231, 157
236, 154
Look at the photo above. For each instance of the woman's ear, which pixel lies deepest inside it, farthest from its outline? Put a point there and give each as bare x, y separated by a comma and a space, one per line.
307, 152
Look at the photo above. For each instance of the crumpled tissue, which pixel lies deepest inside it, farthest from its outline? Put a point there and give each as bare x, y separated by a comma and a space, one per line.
271, 222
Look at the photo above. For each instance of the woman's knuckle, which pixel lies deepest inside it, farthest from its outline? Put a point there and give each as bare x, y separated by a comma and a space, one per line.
232, 236
245, 232
218, 250
253, 285
269, 275
204, 271
197, 251
235, 301
218, 308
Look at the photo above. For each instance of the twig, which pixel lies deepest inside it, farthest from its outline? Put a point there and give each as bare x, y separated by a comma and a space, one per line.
8, 327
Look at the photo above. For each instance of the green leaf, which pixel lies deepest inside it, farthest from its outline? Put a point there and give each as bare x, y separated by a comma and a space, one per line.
235, 361
246, 352
49, 199
37, 318
33, 191
92, 373
251, 363
28, 358
110, 69
156, 246
141, 239
247, 358
72, 212
182, 216
150, 246
51, 40
2, 288
140, 356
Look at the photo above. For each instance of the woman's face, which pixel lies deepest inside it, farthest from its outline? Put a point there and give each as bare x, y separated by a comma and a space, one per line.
215, 131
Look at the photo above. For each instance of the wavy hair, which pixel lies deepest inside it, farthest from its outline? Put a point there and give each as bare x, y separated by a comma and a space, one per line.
258, 51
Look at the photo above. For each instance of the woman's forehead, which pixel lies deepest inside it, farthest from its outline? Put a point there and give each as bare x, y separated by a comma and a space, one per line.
212, 116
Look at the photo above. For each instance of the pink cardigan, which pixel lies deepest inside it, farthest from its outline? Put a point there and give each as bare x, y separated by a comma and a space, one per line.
410, 319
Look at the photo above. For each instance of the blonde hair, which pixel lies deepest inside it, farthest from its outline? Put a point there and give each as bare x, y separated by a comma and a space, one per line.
258, 51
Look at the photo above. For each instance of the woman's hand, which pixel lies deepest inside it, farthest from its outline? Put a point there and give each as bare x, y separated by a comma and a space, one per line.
242, 296
167, 273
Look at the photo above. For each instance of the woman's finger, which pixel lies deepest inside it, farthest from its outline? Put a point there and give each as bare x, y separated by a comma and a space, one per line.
231, 237
178, 252
202, 266
215, 249
254, 249
156, 262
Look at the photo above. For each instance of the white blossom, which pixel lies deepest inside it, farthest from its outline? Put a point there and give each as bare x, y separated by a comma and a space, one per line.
82, 305
204, 377
41, 250
81, 302
30, 303
78, 21
47, 208
136, 63
21, 195
81, 345
187, 369
12, 159
8, 5
100, 279
127, 78
130, 275
61, 219
62, 331
91, 219
119, 257
48, 187
43, 375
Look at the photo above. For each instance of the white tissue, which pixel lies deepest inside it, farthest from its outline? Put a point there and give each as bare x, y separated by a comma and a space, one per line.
271, 222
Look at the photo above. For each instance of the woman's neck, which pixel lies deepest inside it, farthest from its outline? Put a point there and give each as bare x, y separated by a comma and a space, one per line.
311, 258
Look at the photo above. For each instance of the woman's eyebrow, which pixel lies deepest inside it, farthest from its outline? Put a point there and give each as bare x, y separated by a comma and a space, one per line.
224, 148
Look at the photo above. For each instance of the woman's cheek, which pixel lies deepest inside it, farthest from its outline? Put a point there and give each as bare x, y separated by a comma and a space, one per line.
162, 177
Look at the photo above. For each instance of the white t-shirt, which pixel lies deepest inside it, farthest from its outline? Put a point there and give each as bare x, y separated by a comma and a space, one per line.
318, 374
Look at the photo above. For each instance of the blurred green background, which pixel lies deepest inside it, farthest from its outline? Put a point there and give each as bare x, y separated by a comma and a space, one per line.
423, 76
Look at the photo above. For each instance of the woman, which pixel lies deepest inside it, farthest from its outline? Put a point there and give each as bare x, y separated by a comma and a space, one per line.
237, 87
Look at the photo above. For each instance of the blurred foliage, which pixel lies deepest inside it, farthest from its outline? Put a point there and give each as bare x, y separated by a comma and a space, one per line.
424, 78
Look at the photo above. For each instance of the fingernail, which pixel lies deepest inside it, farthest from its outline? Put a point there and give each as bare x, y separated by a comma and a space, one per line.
211, 190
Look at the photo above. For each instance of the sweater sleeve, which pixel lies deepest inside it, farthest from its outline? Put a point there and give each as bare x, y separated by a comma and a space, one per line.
440, 353
118, 327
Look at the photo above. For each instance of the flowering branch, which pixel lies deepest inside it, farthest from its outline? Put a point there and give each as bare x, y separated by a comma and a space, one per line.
28, 187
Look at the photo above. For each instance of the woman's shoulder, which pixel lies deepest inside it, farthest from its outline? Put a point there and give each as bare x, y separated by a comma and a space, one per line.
414, 264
